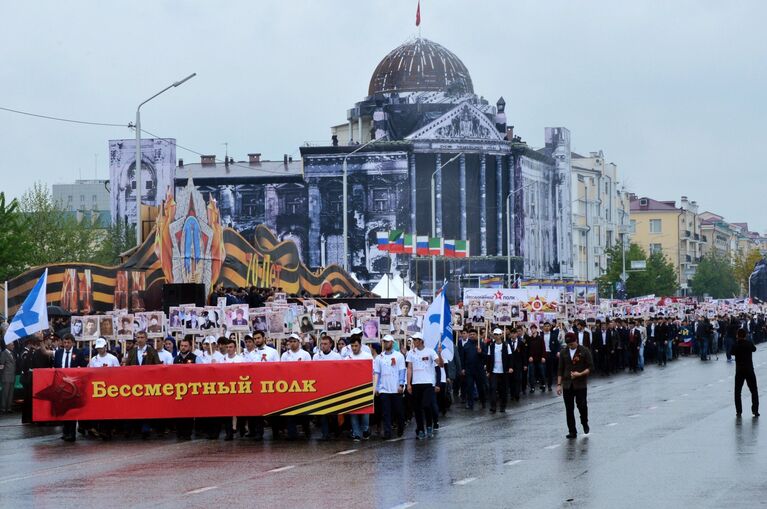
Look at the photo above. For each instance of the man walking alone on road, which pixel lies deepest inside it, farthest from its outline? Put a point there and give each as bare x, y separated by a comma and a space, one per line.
744, 372
575, 366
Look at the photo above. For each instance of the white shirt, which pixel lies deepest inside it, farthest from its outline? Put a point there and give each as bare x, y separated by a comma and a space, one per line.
363, 355
165, 356
106, 361
580, 339
249, 355
498, 359
217, 357
546, 336
332, 356
266, 354
390, 369
140, 352
300, 355
236, 359
572, 352
423, 363
347, 350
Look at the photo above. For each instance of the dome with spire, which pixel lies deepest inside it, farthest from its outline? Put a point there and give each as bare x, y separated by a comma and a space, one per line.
421, 65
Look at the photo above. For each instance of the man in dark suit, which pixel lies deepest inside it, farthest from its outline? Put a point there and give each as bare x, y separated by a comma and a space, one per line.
518, 363
553, 346
185, 356
536, 367
143, 355
743, 350
473, 370
69, 357
499, 368
575, 366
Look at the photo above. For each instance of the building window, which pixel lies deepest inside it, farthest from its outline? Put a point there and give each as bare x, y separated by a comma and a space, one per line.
633, 226
69, 198
655, 226
94, 198
381, 200
656, 248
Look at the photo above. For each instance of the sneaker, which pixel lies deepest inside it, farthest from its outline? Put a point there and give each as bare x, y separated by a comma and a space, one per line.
420, 435
429, 433
356, 438
365, 435
492, 410
436, 426
571, 436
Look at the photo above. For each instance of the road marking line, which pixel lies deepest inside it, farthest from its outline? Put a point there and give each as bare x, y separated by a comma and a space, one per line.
404, 505
280, 469
200, 490
348, 451
554, 446
634, 415
709, 385
685, 395
464, 482
652, 408
512, 462
613, 424
396, 439
670, 401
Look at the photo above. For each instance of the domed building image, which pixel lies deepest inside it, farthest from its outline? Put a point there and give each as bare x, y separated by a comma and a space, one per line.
421, 118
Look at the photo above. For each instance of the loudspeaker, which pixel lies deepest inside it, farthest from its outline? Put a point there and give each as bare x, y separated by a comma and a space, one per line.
182, 293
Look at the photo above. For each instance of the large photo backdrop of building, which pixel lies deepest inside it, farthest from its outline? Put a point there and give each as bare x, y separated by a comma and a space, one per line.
158, 166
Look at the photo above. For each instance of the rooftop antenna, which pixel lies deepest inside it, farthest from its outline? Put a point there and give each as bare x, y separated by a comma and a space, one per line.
226, 150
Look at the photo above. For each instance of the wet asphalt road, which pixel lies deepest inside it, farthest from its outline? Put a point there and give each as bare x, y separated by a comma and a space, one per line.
665, 438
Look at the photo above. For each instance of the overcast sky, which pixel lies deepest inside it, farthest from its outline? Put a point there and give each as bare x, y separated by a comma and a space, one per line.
672, 91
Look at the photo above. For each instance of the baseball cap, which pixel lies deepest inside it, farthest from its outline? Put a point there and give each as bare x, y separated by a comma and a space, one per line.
387, 337
356, 330
101, 343
417, 335
294, 336
497, 331
210, 340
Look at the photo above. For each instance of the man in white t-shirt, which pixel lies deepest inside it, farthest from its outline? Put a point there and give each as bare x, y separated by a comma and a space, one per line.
360, 422
260, 353
206, 355
390, 375
230, 357
103, 359
295, 354
421, 377
327, 352
166, 357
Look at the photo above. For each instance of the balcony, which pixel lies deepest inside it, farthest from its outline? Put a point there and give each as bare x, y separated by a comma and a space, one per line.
687, 233
696, 237
688, 258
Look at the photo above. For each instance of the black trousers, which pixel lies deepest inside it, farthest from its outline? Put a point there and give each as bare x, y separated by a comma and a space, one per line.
498, 390
474, 377
391, 406
750, 379
423, 397
516, 380
575, 397
70, 428
552, 363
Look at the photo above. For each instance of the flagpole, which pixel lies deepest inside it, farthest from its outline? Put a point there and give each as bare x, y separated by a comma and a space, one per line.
5, 302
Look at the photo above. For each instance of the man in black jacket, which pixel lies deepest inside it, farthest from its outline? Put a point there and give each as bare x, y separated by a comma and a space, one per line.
185, 356
498, 366
518, 363
742, 350
472, 370
69, 357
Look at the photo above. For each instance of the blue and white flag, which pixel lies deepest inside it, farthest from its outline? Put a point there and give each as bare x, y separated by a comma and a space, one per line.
33, 315
437, 327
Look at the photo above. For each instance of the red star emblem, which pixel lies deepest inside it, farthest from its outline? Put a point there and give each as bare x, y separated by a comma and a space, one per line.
64, 393
498, 295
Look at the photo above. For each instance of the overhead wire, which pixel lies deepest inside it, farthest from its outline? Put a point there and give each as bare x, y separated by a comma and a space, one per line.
61, 119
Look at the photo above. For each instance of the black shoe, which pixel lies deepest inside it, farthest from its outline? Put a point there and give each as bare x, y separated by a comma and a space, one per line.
503, 410
387, 436
145, 435
586, 429
436, 426
532, 390
571, 435
70, 438
756, 415
492, 410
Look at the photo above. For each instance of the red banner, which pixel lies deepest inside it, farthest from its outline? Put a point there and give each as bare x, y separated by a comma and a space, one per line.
203, 390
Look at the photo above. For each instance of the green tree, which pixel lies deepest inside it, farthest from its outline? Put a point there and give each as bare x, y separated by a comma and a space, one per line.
658, 278
14, 240
715, 277
55, 235
117, 239
743, 266
660, 274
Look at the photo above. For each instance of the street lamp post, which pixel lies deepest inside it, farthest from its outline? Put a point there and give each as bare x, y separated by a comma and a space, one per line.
345, 197
508, 230
434, 221
139, 232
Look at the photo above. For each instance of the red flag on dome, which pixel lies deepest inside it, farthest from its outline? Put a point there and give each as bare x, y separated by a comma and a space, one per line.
418, 14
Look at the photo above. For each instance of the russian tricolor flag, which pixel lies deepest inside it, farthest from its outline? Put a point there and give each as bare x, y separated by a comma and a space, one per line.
450, 248
422, 245
382, 239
